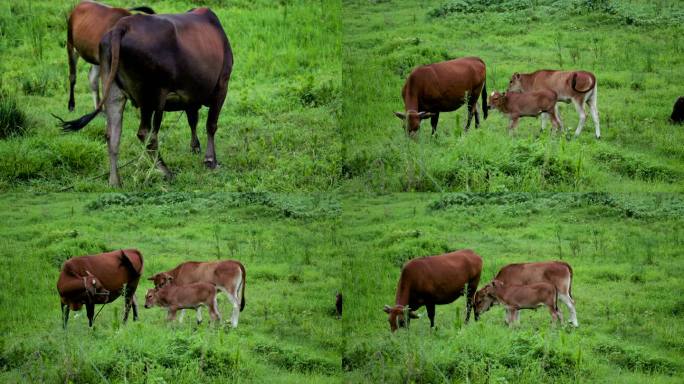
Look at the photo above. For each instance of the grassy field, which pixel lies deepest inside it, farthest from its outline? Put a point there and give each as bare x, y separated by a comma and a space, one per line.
287, 331
634, 48
626, 252
277, 131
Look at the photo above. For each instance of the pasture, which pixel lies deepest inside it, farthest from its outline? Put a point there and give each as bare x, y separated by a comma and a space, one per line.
287, 332
634, 47
626, 253
277, 130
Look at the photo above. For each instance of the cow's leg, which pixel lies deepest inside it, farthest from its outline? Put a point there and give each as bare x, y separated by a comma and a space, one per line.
477, 117
556, 111
570, 303
129, 301
153, 144
470, 118
582, 116
193, 116
555, 121
544, 117
90, 310
593, 109
431, 314
212, 125
172, 314
213, 310
65, 314
433, 121
72, 56
509, 316
114, 107
94, 79
182, 315
553, 311
513, 124
199, 314
135, 308
236, 310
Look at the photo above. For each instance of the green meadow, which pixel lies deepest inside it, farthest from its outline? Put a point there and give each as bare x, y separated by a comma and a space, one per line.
288, 332
626, 254
634, 47
277, 130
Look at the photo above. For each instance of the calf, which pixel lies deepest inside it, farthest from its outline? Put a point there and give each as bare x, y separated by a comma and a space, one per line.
514, 105
434, 280
517, 297
175, 297
576, 86
677, 115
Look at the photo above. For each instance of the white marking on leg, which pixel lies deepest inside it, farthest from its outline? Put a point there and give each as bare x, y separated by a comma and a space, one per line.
593, 109
544, 117
199, 314
180, 319
567, 300
94, 79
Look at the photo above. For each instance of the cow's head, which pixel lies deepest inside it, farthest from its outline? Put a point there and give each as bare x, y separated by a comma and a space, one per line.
515, 85
399, 316
161, 279
151, 298
496, 100
94, 288
412, 120
486, 297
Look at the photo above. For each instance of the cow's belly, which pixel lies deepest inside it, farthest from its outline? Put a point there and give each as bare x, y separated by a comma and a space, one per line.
441, 106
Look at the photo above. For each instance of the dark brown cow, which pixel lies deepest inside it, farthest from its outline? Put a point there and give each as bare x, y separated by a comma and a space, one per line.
677, 115
443, 87
557, 273
228, 276
515, 105
100, 279
577, 86
190, 296
434, 280
338, 305
87, 23
517, 297
162, 63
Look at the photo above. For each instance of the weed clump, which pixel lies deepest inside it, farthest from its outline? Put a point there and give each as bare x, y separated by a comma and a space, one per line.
635, 359
12, 118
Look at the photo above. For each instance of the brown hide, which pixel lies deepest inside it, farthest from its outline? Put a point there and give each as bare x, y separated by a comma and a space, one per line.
112, 269
567, 85
220, 273
557, 273
435, 280
442, 87
532, 103
189, 296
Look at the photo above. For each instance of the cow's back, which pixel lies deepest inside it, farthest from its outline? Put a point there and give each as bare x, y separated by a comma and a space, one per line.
530, 273
88, 22
212, 272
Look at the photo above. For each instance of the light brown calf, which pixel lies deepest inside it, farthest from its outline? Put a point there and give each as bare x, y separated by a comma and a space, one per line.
190, 296
517, 297
576, 86
515, 105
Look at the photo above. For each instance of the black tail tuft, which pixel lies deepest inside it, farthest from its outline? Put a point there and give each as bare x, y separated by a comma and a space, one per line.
143, 9
242, 304
78, 124
484, 100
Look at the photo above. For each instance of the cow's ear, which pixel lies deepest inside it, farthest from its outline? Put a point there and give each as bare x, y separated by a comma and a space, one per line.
425, 115
400, 115
169, 278
516, 75
387, 309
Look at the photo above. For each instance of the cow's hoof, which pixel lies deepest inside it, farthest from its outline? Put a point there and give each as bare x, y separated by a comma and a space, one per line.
195, 149
211, 163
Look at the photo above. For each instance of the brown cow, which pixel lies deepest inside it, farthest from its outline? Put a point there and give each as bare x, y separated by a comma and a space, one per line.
434, 280
227, 275
443, 87
87, 23
578, 86
162, 63
677, 115
190, 296
100, 279
557, 273
514, 105
517, 297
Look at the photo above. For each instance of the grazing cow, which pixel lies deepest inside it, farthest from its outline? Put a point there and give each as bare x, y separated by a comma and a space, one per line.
162, 63
227, 275
578, 86
338, 305
100, 279
443, 87
514, 105
557, 273
517, 297
87, 23
175, 297
677, 115
434, 280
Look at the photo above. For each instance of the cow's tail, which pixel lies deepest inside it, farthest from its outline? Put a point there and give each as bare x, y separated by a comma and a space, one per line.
483, 94
242, 290
115, 45
574, 84
134, 266
143, 9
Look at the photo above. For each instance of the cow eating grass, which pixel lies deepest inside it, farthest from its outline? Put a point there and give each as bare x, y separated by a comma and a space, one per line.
190, 296
515, 105
517, 297
578, 87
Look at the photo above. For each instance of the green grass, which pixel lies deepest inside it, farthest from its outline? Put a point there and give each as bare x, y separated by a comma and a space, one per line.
626, 252
277, 131
287, 332
633, 47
